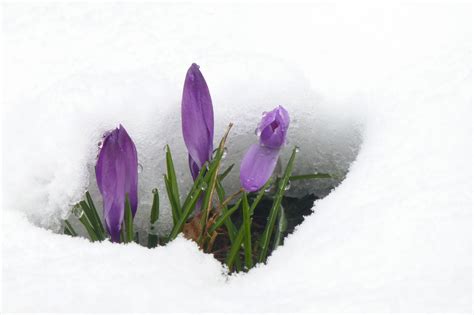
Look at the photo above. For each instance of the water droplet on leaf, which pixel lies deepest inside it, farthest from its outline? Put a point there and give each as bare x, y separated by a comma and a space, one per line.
153, 228
203, 186
224, 153
77, 211
288, 186
297, 149
155, 190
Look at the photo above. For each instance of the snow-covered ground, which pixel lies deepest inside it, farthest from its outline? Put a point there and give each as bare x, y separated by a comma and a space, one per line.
384, 88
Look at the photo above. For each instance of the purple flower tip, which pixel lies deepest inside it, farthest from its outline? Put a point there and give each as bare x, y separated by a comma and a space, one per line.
117, 175
273, 128
197, 118
259, 162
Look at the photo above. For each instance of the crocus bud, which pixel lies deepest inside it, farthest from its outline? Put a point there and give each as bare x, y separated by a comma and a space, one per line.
260, 160
197, 118
273, 128
117, 175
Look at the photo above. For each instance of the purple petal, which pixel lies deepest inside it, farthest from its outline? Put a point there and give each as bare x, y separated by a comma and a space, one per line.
273, 128
257, 167
117, 175
193, 167
197, 117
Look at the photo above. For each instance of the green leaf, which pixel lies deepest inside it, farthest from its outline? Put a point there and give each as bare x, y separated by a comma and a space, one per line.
259, 196
197, 182
234, 249
281, 227
128, 219
91, 219
175, 211
310, 176
155, 207
231, 229
68, 229
223, 217
226, 172
154, 215
178, 227
211, 179
89, 228
237, 244
267, 233
122, 233
96, 214
172, 179
247, 234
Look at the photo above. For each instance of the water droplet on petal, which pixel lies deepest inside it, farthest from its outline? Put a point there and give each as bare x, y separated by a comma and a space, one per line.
140, 168
77, 211
258, 132
100, 144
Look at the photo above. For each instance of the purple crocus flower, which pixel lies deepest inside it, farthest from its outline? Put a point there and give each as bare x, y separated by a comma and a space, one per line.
260, 160
197, 118
117, 175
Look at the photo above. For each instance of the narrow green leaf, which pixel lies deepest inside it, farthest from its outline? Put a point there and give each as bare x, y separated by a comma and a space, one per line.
90, 230
197, 182
69, 229
226, 172
267, 233
280, 228
122, 233
231, 229
174, 207
177, 228
234, 249
213, 178
91, 218
128, 220
155, 207
259, 196
247, 234
237, 244
154, 215
95, 213
310, 176
223, 217
172, 179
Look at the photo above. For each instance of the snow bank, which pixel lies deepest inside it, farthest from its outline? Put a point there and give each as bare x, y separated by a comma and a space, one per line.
394, 236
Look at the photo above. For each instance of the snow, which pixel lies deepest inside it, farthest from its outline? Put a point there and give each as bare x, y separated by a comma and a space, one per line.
383, 91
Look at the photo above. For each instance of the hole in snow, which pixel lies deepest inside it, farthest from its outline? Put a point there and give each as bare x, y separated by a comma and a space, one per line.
328, 134
327, 144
